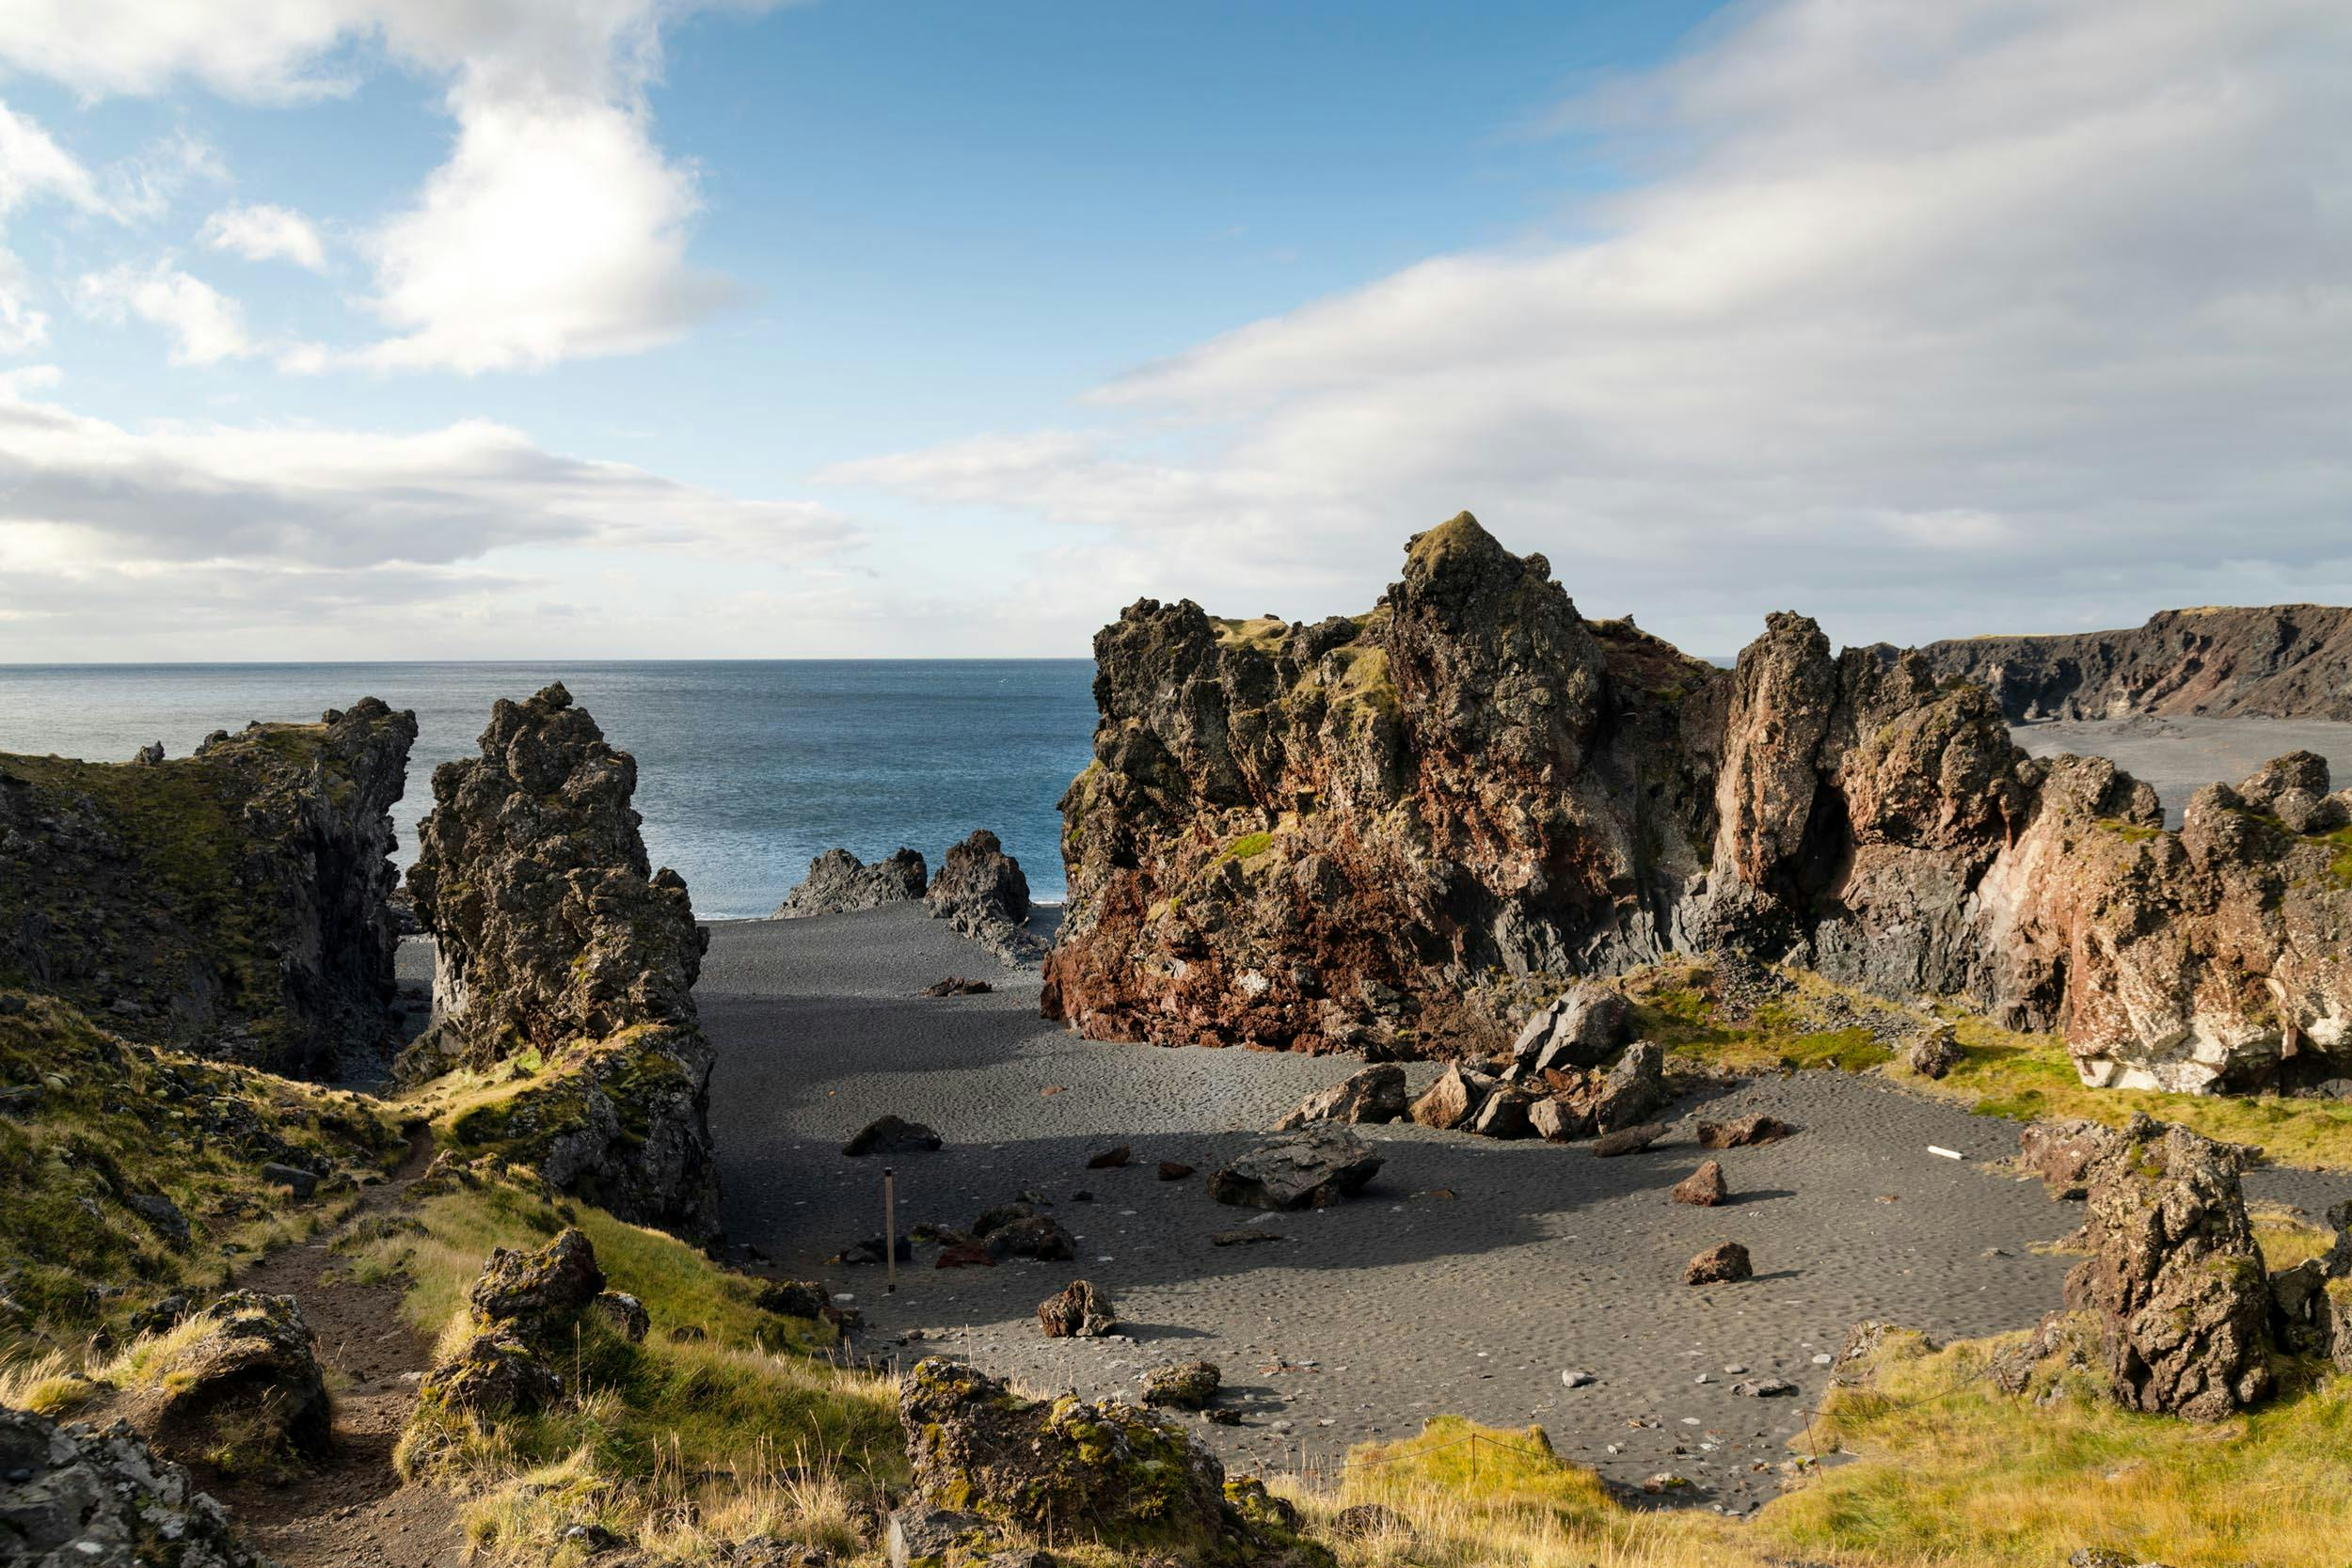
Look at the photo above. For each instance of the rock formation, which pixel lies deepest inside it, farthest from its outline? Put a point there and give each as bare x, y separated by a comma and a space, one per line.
104, 1499
242, 1389
2174, 1276
838, 883
2282, 661
1108, 1473
1380, 834
552, 935
981, 892
1374, 1095
1310, 1169
233, 902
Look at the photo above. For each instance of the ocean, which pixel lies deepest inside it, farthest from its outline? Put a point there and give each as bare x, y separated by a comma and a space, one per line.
744, 769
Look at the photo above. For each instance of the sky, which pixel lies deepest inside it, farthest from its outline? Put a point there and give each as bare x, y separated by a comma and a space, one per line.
662, 329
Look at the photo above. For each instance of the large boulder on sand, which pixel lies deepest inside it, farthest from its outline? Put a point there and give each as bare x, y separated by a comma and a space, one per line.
1723, 1265
1108, 1473
980, 891
2174, 1275
1703, 1188
1453, 1100
838, 883
1077, 1311
1182, 1385
1583, 1029
104, 1500
1374, 1095
1310, 1170
242, 1389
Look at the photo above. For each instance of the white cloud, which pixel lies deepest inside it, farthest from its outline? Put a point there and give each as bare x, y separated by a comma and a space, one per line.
557, 228
1981, 314
33, 168
206, 325
264, 232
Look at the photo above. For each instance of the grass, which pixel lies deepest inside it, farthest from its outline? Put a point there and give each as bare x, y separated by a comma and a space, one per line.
1954, 1468
1246, 848
678, 1441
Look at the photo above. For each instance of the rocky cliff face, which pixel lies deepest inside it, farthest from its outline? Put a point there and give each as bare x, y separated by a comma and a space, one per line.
1364, 833
2282, 661
233, 902
554, 938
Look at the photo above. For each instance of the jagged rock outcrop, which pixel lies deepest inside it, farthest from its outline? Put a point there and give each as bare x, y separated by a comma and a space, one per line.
1314, 1168
552, 935
242, 1389
1383, 833
839, 883
233, 902
523, 1308
981, 892
1108, 1473
70, 1495
2278, 662
2174, 1275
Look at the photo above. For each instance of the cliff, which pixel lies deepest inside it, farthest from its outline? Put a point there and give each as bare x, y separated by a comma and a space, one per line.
2282, 661
1380, 834
231, 903
564, 971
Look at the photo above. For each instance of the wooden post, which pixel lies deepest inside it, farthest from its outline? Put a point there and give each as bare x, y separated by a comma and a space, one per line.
890, 1229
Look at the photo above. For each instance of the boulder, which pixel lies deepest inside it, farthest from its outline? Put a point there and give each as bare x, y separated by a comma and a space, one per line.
1110, 1158
1039, 1237
537, 1292
161, 1215
793, 1298
1110, 1474
1001, 1216
1077, 1311
1721, 1264
1451, 1102
104, 1499
1703, 1188
1174, 1170
1935, 1052
2174, 1276
1313, 1168
1504, 1114
1555, 1120
1182, 1385
1628, 1140
921, 1536
981, 893
1374, 1095
838, 883
1628, 1092
1372, 1522
956, 985
2060, 1152
495, 1374
891, 1135
621, 1313
1744, 1132
244, 1391
1583, 1029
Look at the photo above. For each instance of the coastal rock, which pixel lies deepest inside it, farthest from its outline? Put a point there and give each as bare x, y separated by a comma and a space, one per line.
1373, 834
1628, 1140
1718, 1265
1374, 1095
2060, 1152
246, 1384
1628, 1092
2281, 661
981, 893
2174, 1276
1182, 1385
1310, 1170
1451, 1101
1040, 1238
104, 1499
891, 1135
1703, 1188
1077, 1311
838, 883
232, 903
1934, 1053
551, 935
1504, 1114
1583, 1029
1744, 1132
539, 1292
1555, 1120
1110, 1473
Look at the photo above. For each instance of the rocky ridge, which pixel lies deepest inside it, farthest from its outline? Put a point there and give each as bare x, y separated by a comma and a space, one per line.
2277, 661
1381, 833
232, 903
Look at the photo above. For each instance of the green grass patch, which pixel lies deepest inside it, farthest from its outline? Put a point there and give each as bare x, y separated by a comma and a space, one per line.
1246, 848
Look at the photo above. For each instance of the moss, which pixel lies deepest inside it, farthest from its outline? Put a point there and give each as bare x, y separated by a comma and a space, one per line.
1246, 848
2340, 858
2130, 833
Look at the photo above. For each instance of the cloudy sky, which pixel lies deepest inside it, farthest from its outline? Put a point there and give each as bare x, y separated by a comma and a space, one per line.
542, 328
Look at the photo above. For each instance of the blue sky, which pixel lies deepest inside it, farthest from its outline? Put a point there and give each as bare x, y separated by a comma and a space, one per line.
608, 327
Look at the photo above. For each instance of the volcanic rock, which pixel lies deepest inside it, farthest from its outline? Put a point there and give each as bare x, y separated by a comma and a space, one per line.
1174, 1170
495, 1374
537, 1292
1374, 1095
552, 934
1310, 1170
104, 1499
1744, 1132
232, 903
956, 985
1110, 1473
838, 883
2174, 1276
1504, 1114
1583, 1029
247, 1382
1040, 1238
891, 1135
1628, 1140
1719, 1265
1703, 1188
981, 892
1182, 1385
1555, 1120
1935, 1052
1451, 1101
2060, 1152
623, 1313
1078, 1311
1110, 1158
920, 1536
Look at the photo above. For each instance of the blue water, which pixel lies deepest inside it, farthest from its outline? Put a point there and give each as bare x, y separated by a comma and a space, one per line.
745, 771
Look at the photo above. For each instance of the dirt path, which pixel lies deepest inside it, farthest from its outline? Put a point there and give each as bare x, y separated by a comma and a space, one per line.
357, 1512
